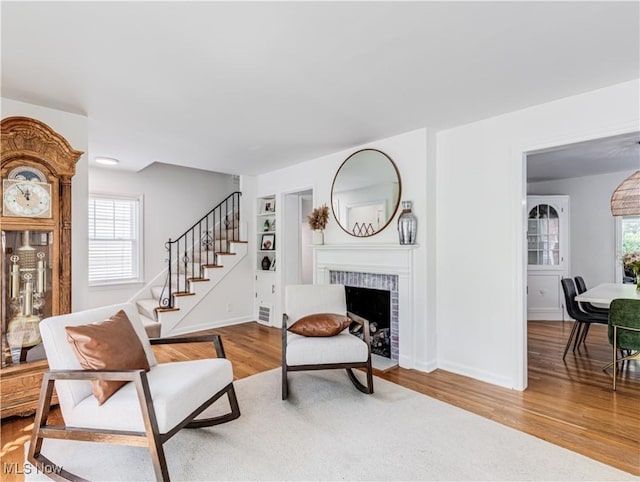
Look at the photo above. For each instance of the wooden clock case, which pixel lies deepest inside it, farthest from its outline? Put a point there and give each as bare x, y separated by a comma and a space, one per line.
29, 143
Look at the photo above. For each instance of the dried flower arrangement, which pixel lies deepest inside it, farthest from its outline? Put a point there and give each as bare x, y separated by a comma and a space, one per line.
318, 218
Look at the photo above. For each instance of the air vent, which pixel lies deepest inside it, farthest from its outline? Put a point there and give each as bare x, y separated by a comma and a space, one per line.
264, 315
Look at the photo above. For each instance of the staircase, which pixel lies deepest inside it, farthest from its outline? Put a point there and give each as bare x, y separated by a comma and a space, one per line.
197, 261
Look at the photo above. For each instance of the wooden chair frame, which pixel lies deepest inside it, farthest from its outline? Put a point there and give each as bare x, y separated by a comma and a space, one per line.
150, 438
368, 388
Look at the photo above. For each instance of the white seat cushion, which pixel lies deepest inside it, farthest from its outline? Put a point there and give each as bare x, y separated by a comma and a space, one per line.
342, 348
177, 389
60, 354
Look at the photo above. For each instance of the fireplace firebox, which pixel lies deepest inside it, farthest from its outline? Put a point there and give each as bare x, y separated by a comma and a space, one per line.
375, 306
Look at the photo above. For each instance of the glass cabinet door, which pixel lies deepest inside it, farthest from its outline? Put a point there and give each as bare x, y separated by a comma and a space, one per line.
26, 292
543, 236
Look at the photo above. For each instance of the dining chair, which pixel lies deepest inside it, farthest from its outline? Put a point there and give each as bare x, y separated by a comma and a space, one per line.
581, 287
624, 332
581, 318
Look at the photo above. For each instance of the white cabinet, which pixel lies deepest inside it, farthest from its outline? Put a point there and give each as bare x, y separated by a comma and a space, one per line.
266, 297
266, 268
547, 255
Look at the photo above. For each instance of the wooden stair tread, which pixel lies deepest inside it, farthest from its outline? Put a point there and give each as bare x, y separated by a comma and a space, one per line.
209, 266
239, 242
197, 280
162, 310
184, 293
225, 253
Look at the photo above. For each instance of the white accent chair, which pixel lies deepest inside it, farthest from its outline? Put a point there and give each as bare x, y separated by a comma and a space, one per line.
147, 411
322, 353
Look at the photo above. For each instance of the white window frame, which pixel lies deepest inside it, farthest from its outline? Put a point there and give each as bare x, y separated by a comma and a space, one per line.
619, 272
138, 253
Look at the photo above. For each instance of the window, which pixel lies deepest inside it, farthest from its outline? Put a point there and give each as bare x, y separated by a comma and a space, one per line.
114, 239
628, 233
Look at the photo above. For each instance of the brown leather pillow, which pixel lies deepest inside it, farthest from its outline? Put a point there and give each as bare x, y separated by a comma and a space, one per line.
111, 344
320, 324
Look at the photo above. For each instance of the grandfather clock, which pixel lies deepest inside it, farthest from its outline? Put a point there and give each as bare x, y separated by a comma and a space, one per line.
36, 167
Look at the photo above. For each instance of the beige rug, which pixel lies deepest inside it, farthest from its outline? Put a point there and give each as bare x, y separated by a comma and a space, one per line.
330, 431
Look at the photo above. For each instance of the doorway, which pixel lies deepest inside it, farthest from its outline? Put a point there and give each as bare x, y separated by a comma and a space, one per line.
587, 172
297, 252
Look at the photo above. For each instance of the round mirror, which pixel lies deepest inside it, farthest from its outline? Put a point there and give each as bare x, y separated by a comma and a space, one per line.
366, 192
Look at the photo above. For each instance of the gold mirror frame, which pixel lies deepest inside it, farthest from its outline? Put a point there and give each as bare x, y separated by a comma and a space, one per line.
383, 176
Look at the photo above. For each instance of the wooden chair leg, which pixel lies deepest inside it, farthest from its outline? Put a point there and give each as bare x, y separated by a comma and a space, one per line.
368, 389
34, 456
158, 459
227, 417
285, 383
151, 428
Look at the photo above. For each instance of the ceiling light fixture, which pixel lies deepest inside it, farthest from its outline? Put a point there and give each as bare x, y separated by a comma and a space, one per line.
625, 200
107, 161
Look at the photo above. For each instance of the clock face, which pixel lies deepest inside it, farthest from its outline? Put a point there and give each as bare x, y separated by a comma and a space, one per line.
27, 199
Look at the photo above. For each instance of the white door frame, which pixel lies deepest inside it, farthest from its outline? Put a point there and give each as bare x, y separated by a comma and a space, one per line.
519, 155
285, 226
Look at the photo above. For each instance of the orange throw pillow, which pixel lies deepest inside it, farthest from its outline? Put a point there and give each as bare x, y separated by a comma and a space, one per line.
111, 344
320, 324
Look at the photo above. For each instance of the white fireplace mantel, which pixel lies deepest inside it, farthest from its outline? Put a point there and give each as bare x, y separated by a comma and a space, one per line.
376, 259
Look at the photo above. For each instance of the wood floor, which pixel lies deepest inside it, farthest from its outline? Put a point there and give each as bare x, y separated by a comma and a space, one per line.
569, 403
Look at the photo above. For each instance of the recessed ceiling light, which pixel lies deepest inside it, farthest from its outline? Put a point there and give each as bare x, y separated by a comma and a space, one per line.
107, 161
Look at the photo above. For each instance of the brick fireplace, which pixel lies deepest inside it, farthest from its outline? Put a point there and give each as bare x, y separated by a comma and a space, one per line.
386, 267
383, 282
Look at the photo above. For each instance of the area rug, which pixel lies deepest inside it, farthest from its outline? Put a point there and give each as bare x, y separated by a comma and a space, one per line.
327, 430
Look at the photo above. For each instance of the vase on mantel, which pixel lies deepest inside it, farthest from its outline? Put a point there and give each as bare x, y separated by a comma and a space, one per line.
318, 237
407, 224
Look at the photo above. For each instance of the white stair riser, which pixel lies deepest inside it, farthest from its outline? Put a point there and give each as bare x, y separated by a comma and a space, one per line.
170, 319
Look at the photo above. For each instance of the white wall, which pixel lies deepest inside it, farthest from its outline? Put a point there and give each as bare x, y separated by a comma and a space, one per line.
174, 199
480, 224
592, 227
414, 160
74, 128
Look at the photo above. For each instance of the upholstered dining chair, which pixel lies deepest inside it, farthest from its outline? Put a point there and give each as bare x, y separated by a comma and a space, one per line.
581, 287
310, 303
154, 402
583, 320
624, 332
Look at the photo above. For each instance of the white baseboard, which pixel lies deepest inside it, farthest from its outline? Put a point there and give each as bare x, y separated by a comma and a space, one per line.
208, 326
473, 372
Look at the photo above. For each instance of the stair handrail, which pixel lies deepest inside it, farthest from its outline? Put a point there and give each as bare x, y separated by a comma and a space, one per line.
185, 254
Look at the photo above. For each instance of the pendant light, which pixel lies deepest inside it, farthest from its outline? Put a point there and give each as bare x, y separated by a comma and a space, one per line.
625, 200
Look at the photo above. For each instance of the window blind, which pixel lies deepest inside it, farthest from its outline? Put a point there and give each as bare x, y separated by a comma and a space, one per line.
114, 239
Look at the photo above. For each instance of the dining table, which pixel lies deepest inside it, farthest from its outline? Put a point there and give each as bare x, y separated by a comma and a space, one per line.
605, 293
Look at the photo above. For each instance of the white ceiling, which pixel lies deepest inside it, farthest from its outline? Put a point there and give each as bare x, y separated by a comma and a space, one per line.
590, 158
248, 87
